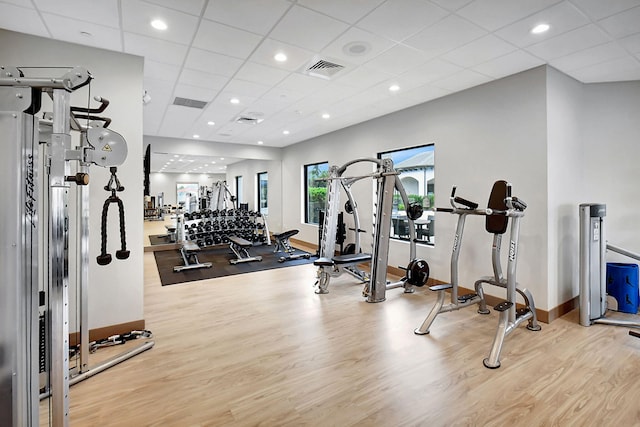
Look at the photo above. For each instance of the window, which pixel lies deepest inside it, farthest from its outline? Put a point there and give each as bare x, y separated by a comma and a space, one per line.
315, 189
416, 167
262, 193
187, 195
238, 190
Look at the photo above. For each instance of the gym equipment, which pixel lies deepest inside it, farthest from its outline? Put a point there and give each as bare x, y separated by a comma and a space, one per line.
329, 265
593, 267
189, 251
220, 197
501, 208
39, 151
283, 245
239, 247
114, 185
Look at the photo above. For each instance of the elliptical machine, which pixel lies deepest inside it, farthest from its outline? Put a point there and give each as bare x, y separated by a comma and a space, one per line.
501, 207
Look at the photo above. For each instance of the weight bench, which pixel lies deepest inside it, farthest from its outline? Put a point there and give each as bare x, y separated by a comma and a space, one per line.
283, 245
189, 251
335, 266
239, 247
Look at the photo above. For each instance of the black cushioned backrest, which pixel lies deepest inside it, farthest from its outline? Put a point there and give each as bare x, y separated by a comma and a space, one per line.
497, 224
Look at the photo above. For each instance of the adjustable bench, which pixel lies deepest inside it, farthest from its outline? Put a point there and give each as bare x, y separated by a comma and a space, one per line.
189, 251
336, 265
239, 247
283, 245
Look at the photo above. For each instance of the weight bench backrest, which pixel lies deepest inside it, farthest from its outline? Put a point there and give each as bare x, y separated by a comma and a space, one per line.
497, 224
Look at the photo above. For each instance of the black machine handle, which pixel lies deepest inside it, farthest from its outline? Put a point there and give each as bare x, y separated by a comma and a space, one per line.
114, 186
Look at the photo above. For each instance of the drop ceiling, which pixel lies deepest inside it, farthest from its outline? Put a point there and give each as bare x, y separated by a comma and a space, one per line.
217, 50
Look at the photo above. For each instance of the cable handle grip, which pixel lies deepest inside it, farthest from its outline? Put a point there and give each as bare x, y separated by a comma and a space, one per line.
449, 210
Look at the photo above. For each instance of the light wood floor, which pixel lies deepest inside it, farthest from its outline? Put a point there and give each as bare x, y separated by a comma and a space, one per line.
263, 349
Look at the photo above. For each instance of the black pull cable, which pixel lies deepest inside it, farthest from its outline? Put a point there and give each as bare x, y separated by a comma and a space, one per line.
114, 186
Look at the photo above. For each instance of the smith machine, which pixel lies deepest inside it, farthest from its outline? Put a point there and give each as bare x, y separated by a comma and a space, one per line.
331, 265
35, 170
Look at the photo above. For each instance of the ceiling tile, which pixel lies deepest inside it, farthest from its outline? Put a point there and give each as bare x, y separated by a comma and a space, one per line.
296, 56
267, 106
494, 14
399, 19
24, 20
506, 65
362, 77
598, 9
195, 92
307, 29
178, 120
398, 59
435, 69
192, 7
302, 84
202, 79
104, 13
203, 60
445, 35
376, 45
451, 5
594, 55
71, 30
426, 93
462, 80
348, 11
226, 40
562, 17
24, 3
623, 24
262, 74
631, 43
567, 43
622, 69
258, 16
479, 51
246, 88
155, 49
137, 17
159, 71
161, 97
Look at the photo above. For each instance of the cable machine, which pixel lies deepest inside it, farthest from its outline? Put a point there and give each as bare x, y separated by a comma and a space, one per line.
37, 225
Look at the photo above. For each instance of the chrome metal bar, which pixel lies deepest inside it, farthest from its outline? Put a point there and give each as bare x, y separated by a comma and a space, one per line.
82, 263
624, 252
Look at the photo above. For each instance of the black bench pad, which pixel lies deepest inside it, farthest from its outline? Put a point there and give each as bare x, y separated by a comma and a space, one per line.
190, 246
351, 258
285, 234
240, 242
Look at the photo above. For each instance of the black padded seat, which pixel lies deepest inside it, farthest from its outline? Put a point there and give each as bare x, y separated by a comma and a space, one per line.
285, 234
351, 258
240, 242
190, 246
323, 262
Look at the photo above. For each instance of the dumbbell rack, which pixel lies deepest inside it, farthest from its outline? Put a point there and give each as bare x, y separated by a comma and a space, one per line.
210, 228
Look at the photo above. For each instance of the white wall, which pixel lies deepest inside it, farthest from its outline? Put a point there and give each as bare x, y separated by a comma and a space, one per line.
494, 131
163, 182
116, 290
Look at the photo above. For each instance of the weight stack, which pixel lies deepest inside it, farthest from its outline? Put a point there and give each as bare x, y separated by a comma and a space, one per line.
622, 284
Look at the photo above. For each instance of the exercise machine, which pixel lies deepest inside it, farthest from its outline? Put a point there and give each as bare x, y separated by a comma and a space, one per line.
36, 173
502, 213
221, 197
283, 245
593, 267
331, 265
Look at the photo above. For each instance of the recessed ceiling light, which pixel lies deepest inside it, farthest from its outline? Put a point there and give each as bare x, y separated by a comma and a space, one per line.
260, 142
234, 101
196, 136
171, 160
210, 123
159, 24
213, 163
540, 28
326, 116
280, 57
394, 88
221, 158
285, 132
176, 155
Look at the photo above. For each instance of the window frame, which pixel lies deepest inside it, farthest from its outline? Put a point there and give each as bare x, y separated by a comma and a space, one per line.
307, 201
259, 194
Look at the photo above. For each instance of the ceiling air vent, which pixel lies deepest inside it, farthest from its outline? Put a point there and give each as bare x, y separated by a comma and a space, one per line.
247, 120
324, 69
192, 103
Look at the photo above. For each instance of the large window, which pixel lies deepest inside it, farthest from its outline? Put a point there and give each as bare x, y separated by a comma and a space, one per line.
416, 167
262, 193
239, 190
315, 189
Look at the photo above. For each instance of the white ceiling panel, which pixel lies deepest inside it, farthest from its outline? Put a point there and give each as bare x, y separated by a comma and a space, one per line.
102, 12
376, 45
261, 74
348, 11
362, 77
623, 24
494, 14
462, 80
267, 106
24, 3
213, 63
245, 88
398, 59
81, 32
138, 15
479, 51
567, 43
435, 69
23, 20
258, 16
226, 40
595, 55
192, 7
202, 79
307, 29
428, 92
302, 84
178, 120
451, 5
195, 92
159, 71
445, 35
598, 9
296, 56
561, 17
506, 65
631, 43
621, 69
399, 19
155, 49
